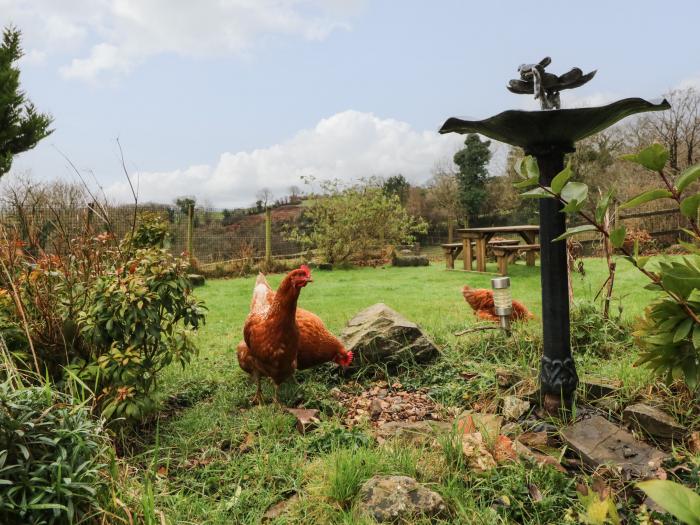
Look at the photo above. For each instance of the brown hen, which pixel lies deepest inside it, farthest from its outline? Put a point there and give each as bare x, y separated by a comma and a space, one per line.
270, 332
481, 301
317, 345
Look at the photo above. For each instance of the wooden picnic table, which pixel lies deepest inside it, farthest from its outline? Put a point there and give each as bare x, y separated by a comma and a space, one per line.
481, 237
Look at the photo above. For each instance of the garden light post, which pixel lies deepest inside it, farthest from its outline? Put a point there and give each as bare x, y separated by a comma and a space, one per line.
548, 135
502, 301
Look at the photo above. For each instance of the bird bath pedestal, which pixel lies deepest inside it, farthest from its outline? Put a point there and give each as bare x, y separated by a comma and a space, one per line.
549, 135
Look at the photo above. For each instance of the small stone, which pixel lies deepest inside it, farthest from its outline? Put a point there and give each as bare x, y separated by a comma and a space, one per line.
513, 408
399, 498
196, 280
488, 424
507, 378
276, 510
654, 422
534, 439
375, 408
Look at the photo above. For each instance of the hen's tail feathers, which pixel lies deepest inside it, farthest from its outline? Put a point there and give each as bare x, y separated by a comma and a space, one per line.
261, 279
261, 299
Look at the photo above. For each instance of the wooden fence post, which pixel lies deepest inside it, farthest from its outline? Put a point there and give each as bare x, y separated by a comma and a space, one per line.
190, 231
268, 238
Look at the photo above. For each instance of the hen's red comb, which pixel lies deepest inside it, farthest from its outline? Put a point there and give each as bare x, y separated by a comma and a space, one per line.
305, 269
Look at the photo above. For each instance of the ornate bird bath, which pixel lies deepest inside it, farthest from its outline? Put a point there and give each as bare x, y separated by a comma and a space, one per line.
548, 135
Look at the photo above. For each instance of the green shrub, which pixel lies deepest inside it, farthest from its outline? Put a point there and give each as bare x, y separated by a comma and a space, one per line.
53, 458
138, 320
151, 231
592, 333
114, 316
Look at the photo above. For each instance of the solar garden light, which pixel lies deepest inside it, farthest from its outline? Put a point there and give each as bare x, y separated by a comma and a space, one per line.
502, 301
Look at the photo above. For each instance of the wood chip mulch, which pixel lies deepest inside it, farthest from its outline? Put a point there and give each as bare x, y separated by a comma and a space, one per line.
383, 403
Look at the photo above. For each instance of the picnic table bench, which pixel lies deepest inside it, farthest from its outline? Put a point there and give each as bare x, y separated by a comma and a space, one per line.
478, 239
504, 254
453, 249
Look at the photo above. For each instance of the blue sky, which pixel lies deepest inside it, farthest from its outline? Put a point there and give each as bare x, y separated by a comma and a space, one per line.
220, 98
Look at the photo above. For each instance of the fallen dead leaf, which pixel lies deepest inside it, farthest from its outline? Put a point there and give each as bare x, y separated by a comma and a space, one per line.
535, 493
503, 449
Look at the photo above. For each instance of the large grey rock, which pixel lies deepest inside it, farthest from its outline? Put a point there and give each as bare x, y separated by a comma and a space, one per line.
379, 334
599, 442
654, 422
395, 498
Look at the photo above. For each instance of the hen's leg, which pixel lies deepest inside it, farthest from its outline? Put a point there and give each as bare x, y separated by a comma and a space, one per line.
257, 398
277, 394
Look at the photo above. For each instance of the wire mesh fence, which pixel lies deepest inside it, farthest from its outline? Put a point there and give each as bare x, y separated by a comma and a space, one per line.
208, 235
216, 236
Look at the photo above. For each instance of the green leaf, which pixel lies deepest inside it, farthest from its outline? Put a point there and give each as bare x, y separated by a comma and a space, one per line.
676, 499
681, 279
696, 337
561, 179
689, 206
688, 176
572, 207
603, 205
532, 168
692, 248
526, 183
537, 193
617, 236
574, 231
577, 191
653, 158
683, 330
647, 196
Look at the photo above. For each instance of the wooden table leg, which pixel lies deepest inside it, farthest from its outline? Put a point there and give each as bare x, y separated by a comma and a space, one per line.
529, 256
481, 254
449, 259
467, 249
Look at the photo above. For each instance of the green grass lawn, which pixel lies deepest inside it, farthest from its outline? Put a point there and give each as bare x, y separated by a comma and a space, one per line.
217, 460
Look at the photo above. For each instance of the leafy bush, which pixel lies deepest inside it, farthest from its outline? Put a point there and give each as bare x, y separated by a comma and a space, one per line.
137, 321
355, 222
53, 458
151, 231
114, 315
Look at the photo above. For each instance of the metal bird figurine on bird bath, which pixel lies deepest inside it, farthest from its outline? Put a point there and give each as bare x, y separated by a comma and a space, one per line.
548, 135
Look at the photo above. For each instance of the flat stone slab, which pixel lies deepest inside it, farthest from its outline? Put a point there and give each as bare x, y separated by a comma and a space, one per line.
399, 498
654, 422
599, 442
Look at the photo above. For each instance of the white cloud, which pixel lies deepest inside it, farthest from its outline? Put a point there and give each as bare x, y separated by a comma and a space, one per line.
347, 146
117, 35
